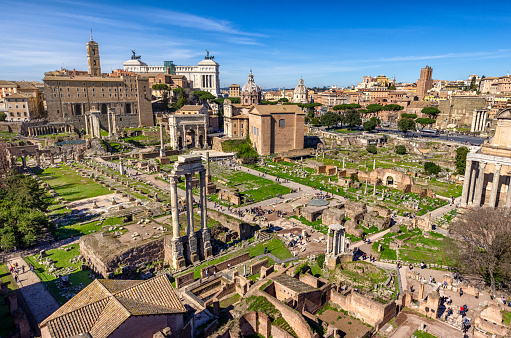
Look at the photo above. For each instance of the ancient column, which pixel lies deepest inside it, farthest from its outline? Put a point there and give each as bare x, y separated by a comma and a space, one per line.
374, 190
162, 145
203, 200
483, 120
495, 186
343, 241
374, 163
485, 115
466, 183
474, 116
335, 243
108, 115
189, 202
365, 190
472, 186
207, 164
328, 241
86, 118
343, 164
508, 197
175, 207
478, 194
184, 138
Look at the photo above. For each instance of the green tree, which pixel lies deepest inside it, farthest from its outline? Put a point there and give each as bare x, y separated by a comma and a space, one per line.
393, 107
432, 112
473, 84
431, 168
424, 121
310, 114
400, 149
315, 121
283, 99
160, 86
22, 211
406, 124
374, 108
408, 116
3, 116
181, 101
370, 125
392, 87
352, 118
329, 119
372, 149
461, 160
235, 99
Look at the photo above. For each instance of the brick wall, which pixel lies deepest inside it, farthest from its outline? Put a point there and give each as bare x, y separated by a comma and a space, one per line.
244, 230
266, 271
184, 280
293, 317
224, 265
256, 268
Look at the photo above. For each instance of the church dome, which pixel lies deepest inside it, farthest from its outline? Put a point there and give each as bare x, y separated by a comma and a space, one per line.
251, 87
300, 89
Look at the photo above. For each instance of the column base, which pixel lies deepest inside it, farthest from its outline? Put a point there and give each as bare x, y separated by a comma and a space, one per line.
194, 257
162, 152
178, 262
331, 261
178, 259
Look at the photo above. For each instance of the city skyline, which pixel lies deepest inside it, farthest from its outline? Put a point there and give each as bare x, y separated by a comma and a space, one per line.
279, 42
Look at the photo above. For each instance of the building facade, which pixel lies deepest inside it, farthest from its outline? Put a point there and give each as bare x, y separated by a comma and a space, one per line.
300, 94
251, 93
69, 96
21, 107
234, 90
205, 76
487, 174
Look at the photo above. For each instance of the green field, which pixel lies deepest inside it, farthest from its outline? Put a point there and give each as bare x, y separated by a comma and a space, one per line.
62, 259
71, 186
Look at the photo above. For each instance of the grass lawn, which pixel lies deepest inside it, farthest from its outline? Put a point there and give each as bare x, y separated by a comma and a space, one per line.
83, 229
6, 320
387, 252
61, 259
70, 185
229, 301
506, 317
275, 247
422, 334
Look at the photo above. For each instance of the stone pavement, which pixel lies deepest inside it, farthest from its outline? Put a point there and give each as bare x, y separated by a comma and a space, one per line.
39, 300
409, 322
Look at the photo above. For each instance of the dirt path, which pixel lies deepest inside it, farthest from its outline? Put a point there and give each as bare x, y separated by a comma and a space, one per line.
39, 300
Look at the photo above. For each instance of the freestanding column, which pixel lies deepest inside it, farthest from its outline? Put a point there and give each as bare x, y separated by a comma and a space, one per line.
343, 241
472, 186
109, 123
335, 243
508, 197
175, 208
328, 241
483, 127
495, 186
162, 145
479, 186
203, 200
189, 202
466, 183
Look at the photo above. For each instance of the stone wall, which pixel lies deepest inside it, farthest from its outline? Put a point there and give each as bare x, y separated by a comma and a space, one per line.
369, 311
184, 280
244, 230
293, 317
256, 267
225, 264
10, 127
333, 216
311, 214
105, 254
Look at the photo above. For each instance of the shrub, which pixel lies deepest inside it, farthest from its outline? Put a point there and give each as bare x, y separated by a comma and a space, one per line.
432, 168
372, 149
320, 260
400, 150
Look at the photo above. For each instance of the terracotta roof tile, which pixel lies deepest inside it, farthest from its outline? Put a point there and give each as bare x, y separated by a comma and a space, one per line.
104, 305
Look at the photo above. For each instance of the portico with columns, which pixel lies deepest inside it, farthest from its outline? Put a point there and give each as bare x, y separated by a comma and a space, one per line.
194, 245
488, 169
337, 251
479, 120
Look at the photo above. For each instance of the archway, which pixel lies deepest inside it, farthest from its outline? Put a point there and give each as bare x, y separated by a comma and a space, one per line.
78, 109
104, 108
201, 141
190, 138
390, 180
127, 108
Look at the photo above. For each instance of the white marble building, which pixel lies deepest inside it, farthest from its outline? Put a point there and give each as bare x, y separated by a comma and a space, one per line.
205, 76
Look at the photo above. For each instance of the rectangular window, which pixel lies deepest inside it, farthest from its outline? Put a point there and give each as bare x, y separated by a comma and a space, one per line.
23, 105
282, 123
16, 106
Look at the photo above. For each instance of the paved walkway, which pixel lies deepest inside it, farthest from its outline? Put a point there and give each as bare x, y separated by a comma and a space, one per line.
39, 300
410, 322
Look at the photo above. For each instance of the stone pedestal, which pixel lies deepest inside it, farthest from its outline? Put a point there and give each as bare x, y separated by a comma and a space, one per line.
206, 239
192, 242
178, 259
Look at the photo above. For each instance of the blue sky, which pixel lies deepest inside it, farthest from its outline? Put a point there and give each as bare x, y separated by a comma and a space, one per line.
326, 43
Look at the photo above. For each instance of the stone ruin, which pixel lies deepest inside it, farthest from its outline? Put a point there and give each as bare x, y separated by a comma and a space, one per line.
231, 195
337, 252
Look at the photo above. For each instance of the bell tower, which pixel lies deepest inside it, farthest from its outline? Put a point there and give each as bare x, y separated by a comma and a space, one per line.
93, 57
